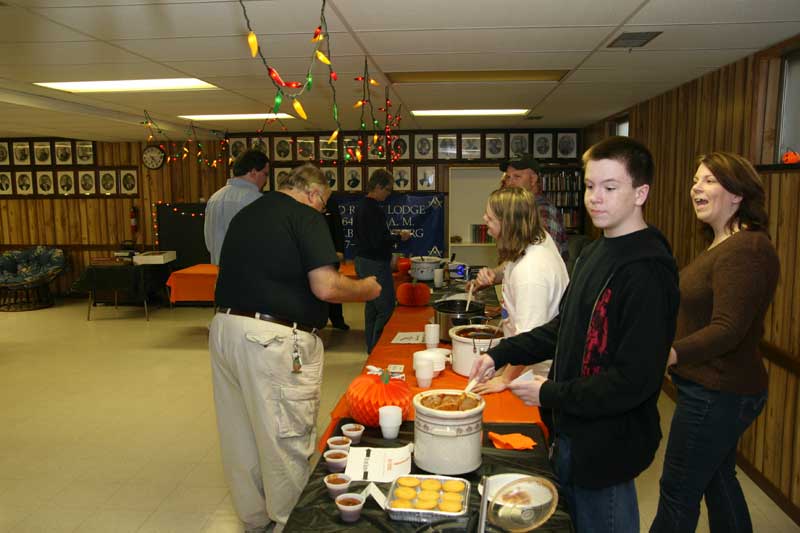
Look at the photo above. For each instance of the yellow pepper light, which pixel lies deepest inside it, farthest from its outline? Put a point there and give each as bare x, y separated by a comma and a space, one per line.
373, 82
252, 41
299, 108
323, 58
358, 104
375, 139
358, 155
333, 136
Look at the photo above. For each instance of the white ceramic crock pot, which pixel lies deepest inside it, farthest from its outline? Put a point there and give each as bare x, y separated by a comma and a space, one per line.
467, 349
447, 442
422, 267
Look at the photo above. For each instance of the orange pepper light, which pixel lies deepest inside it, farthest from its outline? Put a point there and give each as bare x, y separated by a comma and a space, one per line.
790, 158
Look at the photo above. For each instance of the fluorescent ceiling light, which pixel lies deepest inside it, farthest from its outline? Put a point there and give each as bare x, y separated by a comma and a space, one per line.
123, 86
244, 116
468, 112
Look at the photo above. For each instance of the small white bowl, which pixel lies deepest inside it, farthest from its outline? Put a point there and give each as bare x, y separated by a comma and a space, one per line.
336, 460
339, 443
353, 431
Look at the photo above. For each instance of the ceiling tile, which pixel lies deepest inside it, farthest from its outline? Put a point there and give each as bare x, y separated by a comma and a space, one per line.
715, 11
499, 61
636, 59
717, 36
69, 53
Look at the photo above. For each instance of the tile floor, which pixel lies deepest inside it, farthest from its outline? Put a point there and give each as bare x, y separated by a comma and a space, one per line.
108, 426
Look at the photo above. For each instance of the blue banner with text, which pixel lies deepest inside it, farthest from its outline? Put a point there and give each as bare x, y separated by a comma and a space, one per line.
422, 214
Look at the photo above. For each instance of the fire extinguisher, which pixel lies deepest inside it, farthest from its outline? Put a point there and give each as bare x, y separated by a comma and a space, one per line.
134, 221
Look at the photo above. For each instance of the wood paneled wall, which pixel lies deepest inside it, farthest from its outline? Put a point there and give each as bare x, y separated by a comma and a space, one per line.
735, 109
90, 227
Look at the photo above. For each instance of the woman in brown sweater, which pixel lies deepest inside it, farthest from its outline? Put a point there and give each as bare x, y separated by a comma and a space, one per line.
714, 362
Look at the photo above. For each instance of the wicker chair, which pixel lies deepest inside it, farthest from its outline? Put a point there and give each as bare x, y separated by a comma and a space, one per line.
25, 277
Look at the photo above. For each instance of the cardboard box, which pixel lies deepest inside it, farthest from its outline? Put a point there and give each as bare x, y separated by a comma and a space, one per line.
154, 258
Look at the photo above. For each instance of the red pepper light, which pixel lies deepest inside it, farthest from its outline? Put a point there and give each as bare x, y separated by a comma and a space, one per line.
276, 77
293, 84
334, 76
359, 78
317, 35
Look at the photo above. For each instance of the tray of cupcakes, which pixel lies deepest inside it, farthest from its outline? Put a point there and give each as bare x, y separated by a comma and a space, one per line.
422, 498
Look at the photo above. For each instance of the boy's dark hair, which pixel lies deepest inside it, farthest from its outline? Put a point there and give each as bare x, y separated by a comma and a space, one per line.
249, 160
635, 156
380, 178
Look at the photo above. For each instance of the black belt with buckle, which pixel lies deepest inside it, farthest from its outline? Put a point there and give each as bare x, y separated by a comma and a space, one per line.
267, 318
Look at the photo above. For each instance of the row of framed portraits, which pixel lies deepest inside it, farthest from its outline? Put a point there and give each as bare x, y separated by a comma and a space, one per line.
95, 182
354, 178
41, 153
413, 146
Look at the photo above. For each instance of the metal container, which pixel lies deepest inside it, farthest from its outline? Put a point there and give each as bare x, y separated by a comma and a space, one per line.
422, 267
451, 313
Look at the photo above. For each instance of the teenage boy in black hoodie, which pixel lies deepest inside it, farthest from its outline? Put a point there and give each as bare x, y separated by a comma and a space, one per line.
609, 345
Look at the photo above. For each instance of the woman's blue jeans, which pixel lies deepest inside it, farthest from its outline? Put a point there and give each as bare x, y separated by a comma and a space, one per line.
700, 460
377, 312
613, 509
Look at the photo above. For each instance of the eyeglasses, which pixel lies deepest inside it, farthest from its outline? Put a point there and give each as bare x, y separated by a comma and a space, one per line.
311, 194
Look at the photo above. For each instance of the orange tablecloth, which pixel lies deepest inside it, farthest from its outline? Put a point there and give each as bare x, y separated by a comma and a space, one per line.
500, 407
193, 284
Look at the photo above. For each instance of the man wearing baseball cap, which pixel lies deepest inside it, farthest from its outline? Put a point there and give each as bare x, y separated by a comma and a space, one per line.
524, 172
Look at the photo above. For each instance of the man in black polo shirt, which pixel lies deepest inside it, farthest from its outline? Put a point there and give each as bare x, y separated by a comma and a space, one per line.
276, 274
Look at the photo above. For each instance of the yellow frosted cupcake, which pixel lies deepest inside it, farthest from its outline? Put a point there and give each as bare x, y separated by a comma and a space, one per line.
450, 507
405, 493
453, 485
428, 495
408, 481
452, 497
431, 484
400, 504
425, 504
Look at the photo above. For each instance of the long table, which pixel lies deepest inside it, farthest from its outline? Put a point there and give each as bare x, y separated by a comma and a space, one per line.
316, 511
503, 407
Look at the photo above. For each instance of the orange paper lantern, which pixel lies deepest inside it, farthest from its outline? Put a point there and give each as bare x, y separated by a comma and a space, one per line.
369, 392
414, 294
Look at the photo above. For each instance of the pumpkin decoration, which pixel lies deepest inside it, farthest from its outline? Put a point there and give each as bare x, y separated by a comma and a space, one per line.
403, 265
368, 392
413, 294
790, 158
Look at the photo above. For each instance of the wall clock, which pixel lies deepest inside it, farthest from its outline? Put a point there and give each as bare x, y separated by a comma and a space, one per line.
153, 157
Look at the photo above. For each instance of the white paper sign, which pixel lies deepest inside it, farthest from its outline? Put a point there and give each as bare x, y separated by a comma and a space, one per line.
378, 464
409, 337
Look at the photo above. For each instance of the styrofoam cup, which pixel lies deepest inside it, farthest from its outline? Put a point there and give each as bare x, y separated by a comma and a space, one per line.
431, 335
438, 277
390, 415
389, 431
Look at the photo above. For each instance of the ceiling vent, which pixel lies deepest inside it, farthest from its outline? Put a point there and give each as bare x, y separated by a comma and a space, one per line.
534, 117
634, 39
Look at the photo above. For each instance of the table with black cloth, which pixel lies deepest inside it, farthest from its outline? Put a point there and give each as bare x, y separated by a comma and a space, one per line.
316, 510
140, 282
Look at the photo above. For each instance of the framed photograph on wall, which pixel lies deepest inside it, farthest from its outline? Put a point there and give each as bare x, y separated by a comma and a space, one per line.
44, 183
129, 181
261, 144
305, 149
237, 146
65, 182
280, 173
470, 146
400, 147
283, 149
423, 146
5, 155
22, 154
108, 181
351, 147
24, 183
567, 145
329, 152
353, 179
518, 145
5, 183
42, 154
426, 179
446, 146
84, 152
86, 181
495, 146
402, 179
377, 149
543, 145
63, 152
332, 175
